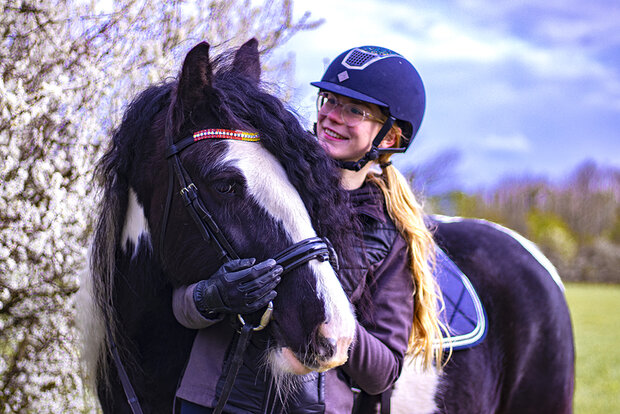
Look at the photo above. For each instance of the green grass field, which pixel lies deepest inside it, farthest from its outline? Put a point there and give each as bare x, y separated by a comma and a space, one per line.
595, 311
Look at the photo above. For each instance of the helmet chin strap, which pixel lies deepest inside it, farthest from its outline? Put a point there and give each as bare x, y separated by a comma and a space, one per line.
371, 155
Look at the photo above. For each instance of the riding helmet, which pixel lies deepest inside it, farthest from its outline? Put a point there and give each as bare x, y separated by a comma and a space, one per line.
382, 77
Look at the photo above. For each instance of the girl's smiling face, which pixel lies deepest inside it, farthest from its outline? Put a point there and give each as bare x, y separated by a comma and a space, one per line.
347, 143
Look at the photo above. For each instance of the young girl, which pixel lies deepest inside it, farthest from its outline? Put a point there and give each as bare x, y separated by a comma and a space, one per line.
370, 105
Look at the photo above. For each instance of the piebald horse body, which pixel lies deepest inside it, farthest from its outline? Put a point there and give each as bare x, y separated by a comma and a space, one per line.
526, 362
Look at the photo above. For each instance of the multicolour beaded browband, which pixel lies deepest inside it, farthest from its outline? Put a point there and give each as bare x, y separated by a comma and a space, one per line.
213, 133
226, 134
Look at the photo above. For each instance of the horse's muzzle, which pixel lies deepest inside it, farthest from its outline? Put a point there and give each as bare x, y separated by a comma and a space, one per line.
324, 354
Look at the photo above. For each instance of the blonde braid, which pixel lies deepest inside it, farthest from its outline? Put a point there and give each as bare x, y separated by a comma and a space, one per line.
407, 214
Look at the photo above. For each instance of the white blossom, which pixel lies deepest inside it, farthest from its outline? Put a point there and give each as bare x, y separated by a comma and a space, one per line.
68, 69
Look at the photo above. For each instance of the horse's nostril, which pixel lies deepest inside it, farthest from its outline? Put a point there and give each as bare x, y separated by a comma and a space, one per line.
326, 348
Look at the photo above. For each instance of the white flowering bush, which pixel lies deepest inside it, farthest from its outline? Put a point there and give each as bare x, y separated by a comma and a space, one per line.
67, 68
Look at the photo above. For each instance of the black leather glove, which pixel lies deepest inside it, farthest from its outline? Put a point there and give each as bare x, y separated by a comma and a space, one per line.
238, 286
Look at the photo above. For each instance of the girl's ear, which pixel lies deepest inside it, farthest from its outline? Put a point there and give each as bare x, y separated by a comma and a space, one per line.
391, 139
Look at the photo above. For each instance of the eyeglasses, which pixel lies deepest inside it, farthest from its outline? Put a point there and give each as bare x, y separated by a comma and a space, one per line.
352, 114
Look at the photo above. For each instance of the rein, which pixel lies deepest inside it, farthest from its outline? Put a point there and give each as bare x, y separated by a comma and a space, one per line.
300, 253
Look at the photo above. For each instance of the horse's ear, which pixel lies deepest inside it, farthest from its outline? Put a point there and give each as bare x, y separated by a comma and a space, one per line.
196, 74
247, 60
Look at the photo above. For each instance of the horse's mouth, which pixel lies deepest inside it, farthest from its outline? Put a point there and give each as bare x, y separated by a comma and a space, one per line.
286, 360
322, 356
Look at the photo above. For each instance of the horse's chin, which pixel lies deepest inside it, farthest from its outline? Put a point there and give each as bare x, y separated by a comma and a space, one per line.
285, 361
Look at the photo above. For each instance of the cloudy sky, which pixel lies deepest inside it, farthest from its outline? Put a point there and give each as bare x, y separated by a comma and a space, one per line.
519, 88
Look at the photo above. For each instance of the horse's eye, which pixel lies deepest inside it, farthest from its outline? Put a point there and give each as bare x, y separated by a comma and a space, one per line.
225, 188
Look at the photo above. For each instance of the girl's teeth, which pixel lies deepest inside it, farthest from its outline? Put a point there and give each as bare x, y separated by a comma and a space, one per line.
335, 134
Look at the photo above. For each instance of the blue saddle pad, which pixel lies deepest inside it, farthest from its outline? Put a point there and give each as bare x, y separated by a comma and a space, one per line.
463, 315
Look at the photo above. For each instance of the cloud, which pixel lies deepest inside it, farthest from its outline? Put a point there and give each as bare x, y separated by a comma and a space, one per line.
478, 32
591, 27
513, 85
510, 143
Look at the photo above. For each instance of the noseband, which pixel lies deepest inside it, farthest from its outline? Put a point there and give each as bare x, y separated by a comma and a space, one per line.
290, 258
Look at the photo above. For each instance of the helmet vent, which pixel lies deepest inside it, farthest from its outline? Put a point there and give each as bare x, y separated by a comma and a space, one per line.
362, 57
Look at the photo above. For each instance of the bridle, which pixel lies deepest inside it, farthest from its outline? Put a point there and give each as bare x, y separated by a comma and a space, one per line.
290, 258
293, 256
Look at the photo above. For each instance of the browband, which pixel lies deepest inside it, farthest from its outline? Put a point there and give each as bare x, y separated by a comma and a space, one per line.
213, 133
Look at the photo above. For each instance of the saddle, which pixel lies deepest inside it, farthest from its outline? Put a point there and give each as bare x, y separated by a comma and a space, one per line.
463, 315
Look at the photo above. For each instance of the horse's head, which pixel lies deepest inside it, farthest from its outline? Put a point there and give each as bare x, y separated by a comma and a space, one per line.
263, 196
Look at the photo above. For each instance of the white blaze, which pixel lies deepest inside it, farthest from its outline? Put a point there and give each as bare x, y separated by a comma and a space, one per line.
270, 187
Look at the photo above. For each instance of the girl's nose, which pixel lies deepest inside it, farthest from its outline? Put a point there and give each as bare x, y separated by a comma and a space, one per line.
335, 114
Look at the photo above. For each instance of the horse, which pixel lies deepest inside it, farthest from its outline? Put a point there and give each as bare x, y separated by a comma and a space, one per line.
526, 362
257, 199
202, 170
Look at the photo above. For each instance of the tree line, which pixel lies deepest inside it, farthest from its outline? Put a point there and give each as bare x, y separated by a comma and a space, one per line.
575, 221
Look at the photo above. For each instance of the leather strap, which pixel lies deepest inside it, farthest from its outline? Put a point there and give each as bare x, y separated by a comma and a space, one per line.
233, 367
374, 152
130, 393
386, 398
302, 252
